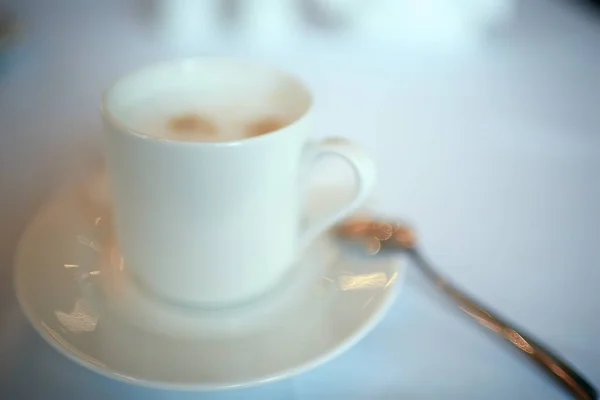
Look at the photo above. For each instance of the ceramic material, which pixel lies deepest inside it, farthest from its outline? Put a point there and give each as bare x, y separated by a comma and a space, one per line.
78, 296
217, 223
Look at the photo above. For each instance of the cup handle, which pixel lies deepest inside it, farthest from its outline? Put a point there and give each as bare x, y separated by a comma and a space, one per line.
365, 178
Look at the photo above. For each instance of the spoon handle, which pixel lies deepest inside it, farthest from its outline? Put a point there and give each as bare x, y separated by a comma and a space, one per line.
561, 372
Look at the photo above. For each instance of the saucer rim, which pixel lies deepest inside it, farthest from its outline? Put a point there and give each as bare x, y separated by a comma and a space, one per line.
91, 364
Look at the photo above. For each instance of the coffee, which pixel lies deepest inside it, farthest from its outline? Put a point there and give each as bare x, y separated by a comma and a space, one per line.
175, 119
200, 127
263, 125
192, 125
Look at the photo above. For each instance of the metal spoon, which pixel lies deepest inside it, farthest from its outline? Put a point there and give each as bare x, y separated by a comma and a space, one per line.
377, 236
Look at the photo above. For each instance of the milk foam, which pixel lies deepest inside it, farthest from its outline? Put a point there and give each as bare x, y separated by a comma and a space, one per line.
218, 120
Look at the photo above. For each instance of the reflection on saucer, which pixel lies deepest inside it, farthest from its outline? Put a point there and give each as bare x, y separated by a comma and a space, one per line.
362, 281
82, 319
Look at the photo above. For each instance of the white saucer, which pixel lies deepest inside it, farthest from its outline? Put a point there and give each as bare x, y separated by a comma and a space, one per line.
78, 297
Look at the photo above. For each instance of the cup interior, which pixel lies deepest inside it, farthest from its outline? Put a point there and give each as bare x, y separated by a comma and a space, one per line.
236, 90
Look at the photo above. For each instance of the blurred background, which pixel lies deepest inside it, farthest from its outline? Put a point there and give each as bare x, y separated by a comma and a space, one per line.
483, 118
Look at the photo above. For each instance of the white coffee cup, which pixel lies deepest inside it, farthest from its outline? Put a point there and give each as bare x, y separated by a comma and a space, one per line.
217, 223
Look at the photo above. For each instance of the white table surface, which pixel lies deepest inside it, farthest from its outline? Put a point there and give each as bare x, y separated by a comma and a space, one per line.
494, 154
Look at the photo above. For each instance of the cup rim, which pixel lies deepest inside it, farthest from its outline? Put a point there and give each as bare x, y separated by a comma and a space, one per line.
123, 127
